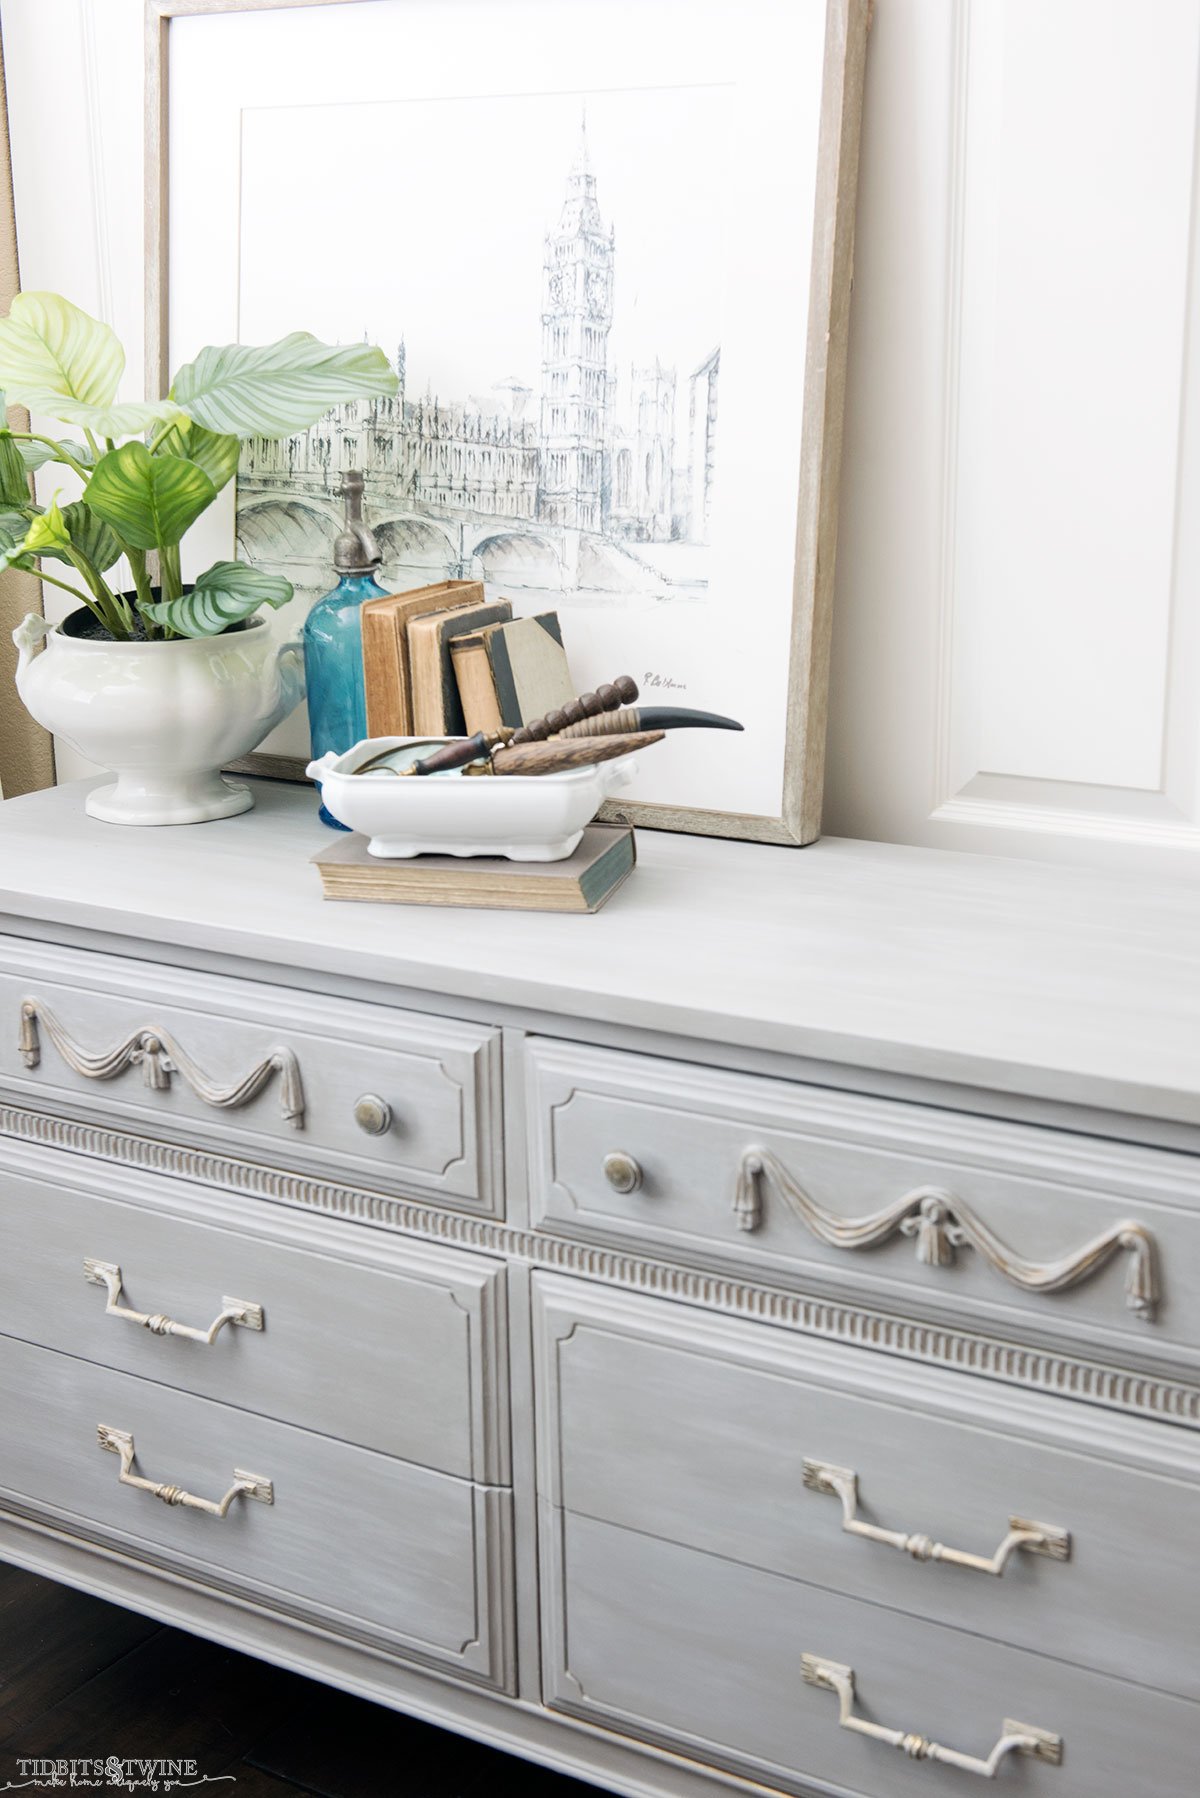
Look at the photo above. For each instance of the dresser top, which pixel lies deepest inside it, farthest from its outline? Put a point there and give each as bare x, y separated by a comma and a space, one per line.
1049, 982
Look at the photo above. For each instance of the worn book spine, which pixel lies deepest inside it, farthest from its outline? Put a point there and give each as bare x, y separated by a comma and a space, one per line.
529, 668
386, 683
476, 688
384, 674
436, 707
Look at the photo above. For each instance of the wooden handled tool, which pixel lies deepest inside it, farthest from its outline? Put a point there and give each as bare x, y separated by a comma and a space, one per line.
457, 754
482, 754
607, 697
647, 717
557, 757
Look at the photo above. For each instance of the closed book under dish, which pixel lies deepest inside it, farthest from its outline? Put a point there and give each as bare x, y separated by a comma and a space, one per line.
581, 883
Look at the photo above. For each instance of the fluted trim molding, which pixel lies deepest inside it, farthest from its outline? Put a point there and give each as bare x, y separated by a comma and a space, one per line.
1043, 1370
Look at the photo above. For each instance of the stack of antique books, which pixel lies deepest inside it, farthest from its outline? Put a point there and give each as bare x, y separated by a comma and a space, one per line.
443, 661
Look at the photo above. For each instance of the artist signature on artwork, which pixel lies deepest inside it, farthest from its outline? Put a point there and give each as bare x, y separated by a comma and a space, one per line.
664, 682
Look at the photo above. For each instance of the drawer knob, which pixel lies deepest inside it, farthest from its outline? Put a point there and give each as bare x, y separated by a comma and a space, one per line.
622, 1172
159, 1056
245, 1485
241, 1312
1033, 1538
1015, 1738
941, 1224
373, 1114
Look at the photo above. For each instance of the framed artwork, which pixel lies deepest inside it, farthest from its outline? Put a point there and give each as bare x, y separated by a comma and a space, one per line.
607, 245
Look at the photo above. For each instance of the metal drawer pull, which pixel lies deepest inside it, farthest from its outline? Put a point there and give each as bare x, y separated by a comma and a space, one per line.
942, 1224
1033, 1538
160, 1056
1017, 1738
246, 1485
242, 1312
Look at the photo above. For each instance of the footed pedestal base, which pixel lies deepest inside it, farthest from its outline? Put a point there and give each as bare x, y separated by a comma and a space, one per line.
179, 799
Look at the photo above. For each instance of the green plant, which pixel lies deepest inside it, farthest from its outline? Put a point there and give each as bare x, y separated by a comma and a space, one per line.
141, 497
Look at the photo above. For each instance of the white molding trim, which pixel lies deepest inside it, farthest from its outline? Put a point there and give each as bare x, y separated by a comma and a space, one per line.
1001, 814
97, 167
956, 209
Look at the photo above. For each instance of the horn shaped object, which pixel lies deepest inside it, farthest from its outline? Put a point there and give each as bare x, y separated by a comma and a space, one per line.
647, 717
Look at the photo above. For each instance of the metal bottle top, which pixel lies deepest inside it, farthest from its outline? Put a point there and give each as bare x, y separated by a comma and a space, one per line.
356, 550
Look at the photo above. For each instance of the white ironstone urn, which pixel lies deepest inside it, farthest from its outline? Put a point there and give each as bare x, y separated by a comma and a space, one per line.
165, 717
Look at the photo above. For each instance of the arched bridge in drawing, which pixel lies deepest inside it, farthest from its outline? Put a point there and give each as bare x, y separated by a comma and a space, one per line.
285, 524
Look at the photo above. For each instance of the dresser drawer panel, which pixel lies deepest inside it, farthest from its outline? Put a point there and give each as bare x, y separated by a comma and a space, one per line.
745, 1442
708, 1657
894, 1203
378, 1097
371, 1546
394, 1345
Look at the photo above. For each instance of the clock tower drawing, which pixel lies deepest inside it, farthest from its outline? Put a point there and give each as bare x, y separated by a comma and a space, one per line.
577, 300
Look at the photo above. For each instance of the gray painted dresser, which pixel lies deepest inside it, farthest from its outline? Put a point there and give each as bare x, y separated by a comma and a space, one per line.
749, 1337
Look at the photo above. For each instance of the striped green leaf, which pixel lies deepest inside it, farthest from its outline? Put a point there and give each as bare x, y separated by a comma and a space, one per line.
89, 535
47, 532
44, 534
224, 595
244, 391
14, 476
217, 456
150, 501
14, 528
51, 351
36, 455
112, 421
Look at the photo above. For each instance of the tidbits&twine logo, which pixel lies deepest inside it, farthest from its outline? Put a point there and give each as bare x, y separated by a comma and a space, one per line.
111, 1774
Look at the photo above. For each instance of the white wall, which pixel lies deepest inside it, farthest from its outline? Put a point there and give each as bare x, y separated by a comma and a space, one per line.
76, 121
1017, 639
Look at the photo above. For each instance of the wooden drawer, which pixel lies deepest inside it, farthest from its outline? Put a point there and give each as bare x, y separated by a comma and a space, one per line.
707, 1657
431, 1554
263, 1072
392, 1344
712, 1433
1013, 1228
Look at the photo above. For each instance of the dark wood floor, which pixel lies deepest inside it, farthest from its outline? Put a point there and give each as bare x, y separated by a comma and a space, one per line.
80, 1678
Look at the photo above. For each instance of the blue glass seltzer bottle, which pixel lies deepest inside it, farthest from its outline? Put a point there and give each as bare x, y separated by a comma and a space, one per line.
333, 664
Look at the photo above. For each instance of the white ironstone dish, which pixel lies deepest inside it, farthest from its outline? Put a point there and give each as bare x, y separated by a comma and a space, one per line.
527, 817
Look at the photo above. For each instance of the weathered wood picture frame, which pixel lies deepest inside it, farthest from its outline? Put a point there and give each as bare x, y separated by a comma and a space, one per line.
794, 741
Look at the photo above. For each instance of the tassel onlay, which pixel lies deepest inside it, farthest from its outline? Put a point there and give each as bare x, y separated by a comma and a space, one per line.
747, 1197
933, 1229
291, 1091
156, 1065
31, 1051
1141, 1275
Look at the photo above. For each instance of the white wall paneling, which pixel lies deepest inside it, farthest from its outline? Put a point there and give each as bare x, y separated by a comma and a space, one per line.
1017, 626
75, 113
1018, 608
